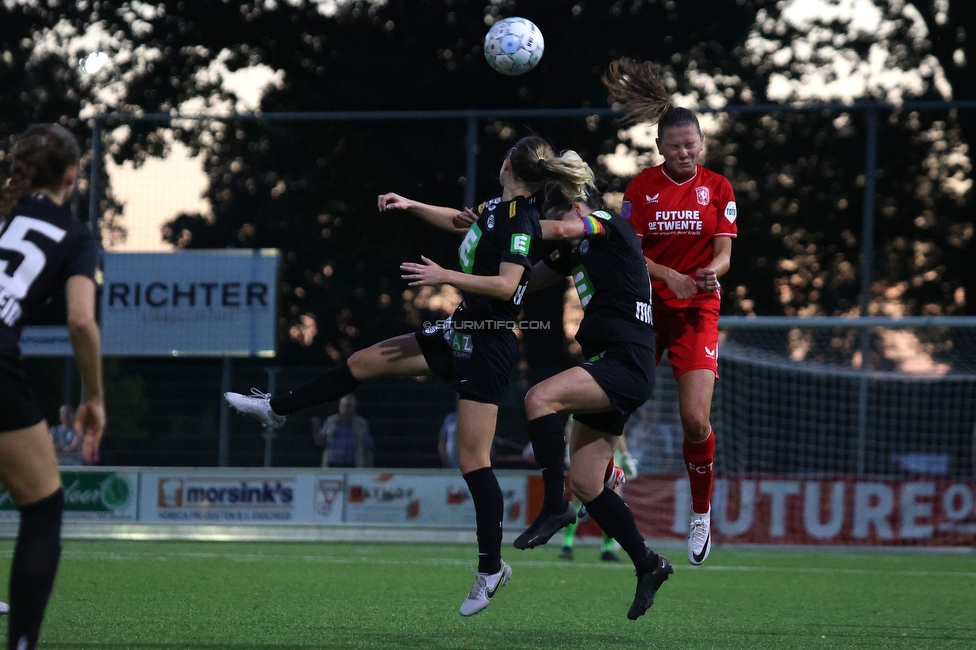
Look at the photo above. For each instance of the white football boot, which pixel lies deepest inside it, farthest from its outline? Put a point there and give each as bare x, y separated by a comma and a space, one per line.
700, 537
484, 588
258, 406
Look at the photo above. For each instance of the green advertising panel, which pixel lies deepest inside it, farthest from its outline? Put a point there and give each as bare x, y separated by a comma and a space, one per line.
89, 495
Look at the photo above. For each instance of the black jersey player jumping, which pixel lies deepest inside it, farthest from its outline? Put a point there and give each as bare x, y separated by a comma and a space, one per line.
44, 249
476, 348
601, 253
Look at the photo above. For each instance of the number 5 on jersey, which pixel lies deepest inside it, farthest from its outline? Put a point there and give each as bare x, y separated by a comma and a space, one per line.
34, 258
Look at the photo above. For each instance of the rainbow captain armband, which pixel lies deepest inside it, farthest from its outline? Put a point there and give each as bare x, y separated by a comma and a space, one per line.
592, 226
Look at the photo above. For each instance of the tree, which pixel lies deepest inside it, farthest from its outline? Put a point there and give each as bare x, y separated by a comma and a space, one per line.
924, 200
310, 188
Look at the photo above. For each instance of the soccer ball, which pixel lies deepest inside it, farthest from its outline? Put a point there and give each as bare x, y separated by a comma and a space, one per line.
513, 46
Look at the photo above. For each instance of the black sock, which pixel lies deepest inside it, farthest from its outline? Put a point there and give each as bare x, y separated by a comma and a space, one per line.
489, 509
615, 518
35, 563
328, 387
549, 447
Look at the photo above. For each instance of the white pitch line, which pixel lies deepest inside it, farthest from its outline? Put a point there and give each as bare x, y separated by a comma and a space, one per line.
434, 561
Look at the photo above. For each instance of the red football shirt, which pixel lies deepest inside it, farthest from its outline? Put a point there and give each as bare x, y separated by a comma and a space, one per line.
676, 223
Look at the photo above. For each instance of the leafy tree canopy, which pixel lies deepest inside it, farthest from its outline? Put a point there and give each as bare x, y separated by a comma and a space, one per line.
309, 188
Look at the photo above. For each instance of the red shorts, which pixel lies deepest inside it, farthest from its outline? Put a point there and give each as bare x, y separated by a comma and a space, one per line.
690, 337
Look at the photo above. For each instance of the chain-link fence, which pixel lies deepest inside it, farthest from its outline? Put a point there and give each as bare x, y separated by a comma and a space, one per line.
844, 209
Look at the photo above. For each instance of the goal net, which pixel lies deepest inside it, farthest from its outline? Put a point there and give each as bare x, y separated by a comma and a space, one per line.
827, 430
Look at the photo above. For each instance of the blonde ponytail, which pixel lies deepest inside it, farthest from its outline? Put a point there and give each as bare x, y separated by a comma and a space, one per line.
572, 174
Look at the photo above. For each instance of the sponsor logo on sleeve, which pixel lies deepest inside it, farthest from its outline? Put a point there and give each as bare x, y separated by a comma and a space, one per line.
730, 211
520, 243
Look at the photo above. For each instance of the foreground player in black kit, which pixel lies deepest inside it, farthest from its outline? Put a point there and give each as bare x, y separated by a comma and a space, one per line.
475, 348
44, 249
601, 253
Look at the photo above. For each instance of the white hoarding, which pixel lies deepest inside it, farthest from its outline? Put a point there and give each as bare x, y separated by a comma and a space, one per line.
425, 500
247, 496
202, 303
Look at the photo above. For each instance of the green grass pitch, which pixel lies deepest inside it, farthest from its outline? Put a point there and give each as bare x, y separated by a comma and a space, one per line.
255, 596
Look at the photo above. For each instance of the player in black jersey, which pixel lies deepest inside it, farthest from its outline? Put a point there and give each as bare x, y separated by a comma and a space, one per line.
44, 249
476, 348
602, 254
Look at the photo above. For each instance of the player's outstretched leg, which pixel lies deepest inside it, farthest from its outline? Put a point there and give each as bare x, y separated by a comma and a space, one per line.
399, 356
270, 411
484, 588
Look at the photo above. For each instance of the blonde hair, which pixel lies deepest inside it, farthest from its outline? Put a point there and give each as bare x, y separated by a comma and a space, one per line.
535, 163
571, 173
639, 87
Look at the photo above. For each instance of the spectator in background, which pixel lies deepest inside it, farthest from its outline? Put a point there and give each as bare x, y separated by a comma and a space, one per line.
345, 437
65, 440
447, 440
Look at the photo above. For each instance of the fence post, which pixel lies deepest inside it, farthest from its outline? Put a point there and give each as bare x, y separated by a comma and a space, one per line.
269, 433
471, 166
223, 444
867, 276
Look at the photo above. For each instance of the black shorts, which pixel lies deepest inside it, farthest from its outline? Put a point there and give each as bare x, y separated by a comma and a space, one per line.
17, 407
625, 372
479, 362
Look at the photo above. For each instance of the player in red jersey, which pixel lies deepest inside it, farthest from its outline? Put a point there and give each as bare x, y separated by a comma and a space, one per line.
685, 216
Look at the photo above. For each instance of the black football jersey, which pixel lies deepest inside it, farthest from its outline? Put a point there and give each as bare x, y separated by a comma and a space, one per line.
506, 231
42, 244
612, 282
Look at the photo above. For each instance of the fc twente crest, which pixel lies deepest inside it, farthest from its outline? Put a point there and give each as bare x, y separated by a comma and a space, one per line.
703, 194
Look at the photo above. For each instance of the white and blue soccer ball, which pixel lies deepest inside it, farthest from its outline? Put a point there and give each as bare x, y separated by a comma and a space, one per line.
513, 46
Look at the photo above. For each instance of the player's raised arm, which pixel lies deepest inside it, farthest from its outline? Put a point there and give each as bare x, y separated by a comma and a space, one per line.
448, 219
573, 228
500, 287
